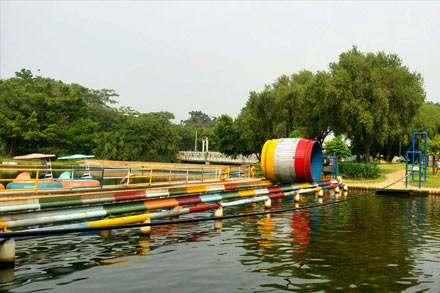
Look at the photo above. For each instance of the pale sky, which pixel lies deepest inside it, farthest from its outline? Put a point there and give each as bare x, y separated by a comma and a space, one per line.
208, 56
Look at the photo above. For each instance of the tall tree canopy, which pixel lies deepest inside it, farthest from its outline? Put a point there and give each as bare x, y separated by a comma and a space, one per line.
428, 119
42, 114
199, 119
140, 137
377, 97
292, 105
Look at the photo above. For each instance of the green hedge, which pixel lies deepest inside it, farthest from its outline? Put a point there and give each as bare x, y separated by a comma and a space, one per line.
358, 170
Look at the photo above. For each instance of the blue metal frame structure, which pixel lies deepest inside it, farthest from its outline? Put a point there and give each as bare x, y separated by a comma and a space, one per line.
423, 161
333, 163
413, 169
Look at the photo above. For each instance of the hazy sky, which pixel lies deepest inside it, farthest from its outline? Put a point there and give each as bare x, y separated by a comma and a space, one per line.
184, 56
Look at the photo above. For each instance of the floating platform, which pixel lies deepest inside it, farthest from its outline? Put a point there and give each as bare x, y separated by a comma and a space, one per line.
407, 192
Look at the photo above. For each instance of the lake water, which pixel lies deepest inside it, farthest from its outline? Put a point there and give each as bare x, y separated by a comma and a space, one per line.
374, 243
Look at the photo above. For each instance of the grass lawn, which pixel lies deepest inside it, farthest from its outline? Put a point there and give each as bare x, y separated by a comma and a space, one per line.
431, 180
390, 167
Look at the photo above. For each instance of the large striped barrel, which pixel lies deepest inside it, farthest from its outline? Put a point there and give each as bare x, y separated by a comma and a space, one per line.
290, 160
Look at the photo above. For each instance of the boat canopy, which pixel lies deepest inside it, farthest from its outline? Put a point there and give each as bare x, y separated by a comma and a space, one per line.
76, 156
34, 156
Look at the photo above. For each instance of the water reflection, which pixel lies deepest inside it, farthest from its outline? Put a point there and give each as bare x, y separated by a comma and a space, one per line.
265, 228
376, 243
300, 233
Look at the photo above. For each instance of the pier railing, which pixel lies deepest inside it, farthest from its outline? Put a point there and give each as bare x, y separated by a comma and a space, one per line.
35, 180
112, 177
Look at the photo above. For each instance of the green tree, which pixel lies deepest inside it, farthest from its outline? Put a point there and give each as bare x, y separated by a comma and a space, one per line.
42, 114
338, 146
140, 137
227, 136
369, 90
297, 105
434, 145
199, 119
428, 119
45, 115
317, 108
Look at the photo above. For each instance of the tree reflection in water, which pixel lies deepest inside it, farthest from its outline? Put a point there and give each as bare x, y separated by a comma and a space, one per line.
300, 233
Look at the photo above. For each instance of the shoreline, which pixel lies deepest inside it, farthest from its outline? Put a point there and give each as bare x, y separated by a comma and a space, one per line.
398, 178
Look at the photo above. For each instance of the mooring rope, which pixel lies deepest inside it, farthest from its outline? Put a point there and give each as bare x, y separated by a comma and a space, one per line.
30, 233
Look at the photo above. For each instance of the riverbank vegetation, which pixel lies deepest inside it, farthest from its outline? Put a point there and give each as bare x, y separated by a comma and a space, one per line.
372, 100
39, 114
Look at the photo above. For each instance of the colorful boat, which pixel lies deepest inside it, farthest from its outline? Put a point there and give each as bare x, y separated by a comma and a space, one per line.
67, 180
43, 157
23, 181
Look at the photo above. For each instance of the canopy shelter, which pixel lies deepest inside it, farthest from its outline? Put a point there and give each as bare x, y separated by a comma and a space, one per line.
34, 156
43, 157
78, 157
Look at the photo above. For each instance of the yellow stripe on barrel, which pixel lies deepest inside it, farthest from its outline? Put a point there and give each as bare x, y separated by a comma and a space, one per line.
269, 160
263, 157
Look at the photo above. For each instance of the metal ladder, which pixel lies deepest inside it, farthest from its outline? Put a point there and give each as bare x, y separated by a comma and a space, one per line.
422, 162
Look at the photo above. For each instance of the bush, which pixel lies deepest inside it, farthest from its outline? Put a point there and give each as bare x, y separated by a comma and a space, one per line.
358, 170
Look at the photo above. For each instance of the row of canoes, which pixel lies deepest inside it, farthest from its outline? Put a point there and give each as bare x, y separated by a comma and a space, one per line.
24, 181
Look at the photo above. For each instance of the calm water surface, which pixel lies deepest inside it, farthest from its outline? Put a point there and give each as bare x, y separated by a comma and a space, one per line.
375, 243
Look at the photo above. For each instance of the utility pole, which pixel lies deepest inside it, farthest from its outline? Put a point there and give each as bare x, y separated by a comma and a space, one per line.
195, 143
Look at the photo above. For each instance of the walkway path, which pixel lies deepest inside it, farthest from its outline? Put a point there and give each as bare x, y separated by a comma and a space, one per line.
398, 176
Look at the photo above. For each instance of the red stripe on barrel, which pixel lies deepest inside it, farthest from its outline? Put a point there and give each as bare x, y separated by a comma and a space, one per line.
299, 160
308, 152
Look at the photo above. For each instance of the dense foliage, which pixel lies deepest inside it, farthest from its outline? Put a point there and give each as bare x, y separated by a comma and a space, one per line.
434, 145
358, 170
338, 146
40, 114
